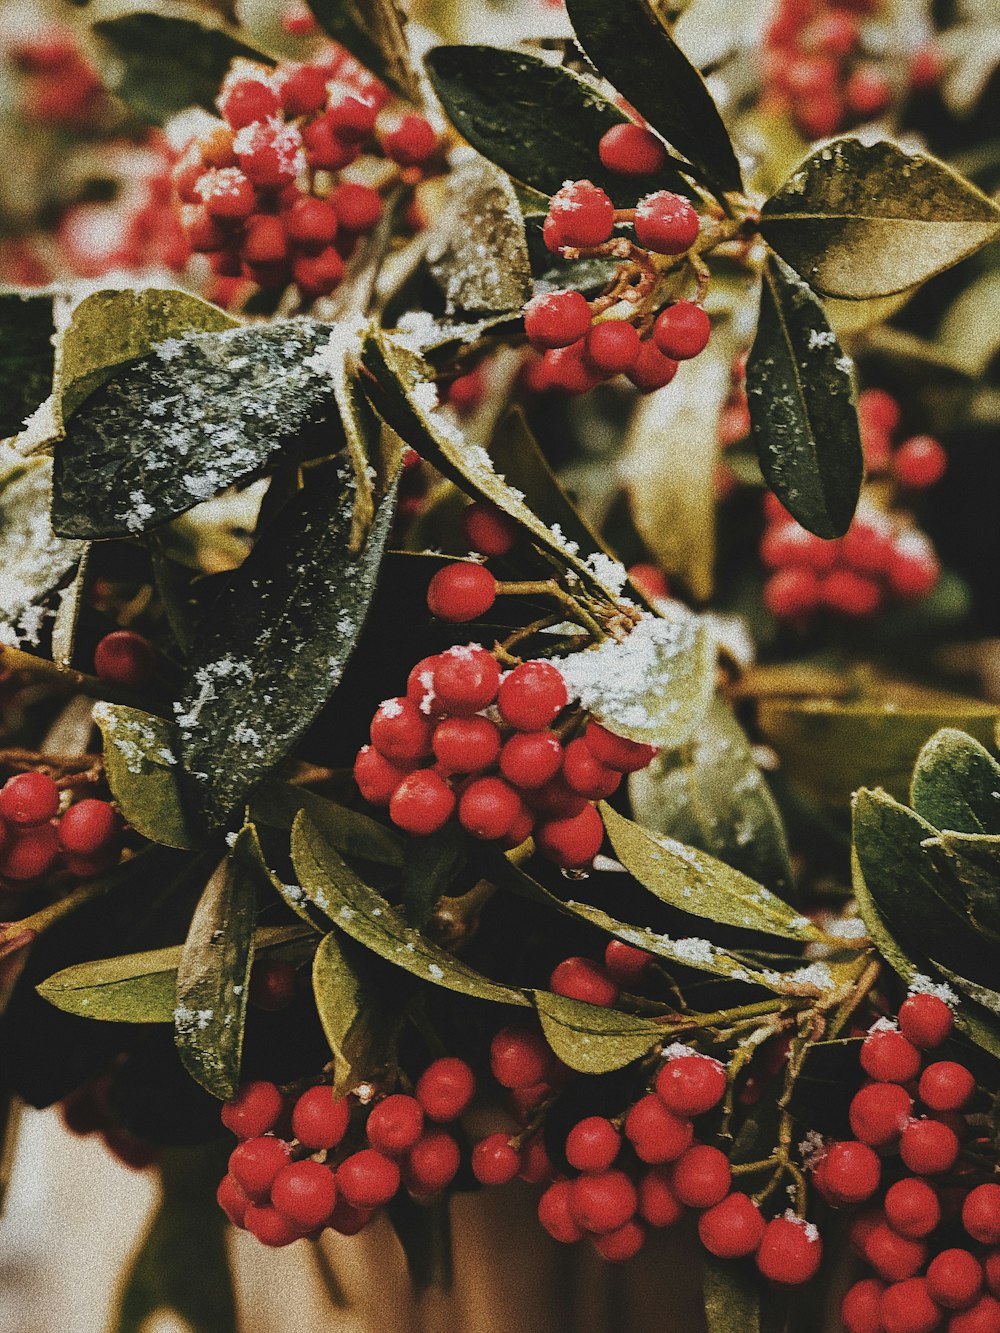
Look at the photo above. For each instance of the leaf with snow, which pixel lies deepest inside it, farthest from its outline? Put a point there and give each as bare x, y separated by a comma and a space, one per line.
591, 1039
176, 427
363, 914
274, 646
375, 32
27, 356
956, 784
140, 764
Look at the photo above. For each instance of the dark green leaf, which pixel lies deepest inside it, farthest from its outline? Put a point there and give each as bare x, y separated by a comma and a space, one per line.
140, 764
277, 642
374, 31
167, 58
711, 795
201, 412
983, 995
27, 356
213, 974
593, 1040
631, 46
865, 220
275, 804
431, 866
975, 861
801, 395
35, 561
355, 1025
365, 916
732, 1298
537, 121
956, 784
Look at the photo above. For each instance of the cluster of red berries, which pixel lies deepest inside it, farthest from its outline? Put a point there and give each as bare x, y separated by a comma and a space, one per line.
915, 463
919, 1286
293, 1173
34, 837
262, 193
584, 343
57, 84
854, 576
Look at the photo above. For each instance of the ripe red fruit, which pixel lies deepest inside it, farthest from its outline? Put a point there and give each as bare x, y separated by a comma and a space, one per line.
946, 1086
878, 411
666, 223
305, 1193
657, 1203
981, 1214
925, 1020
520, 1057
983, 1317
495, 1161
919, 461
912, 1208
231, 1199
617, 751
87, 827
376, 776
367, 1179
622, 1244
358, 207
651, 370
954, 1279
269, 1226
928, 1147
732, 1228
432, 1163
894, 1257
204, 233
907, 1307
788, 543
555, 1215
656, 1134
348, 1220
991, 1266
325, 149
867, 91
401, 732
273, 984
488, 530
311, 221
851, 1172
913, 566
701, 1176
394, 1124
888, 1056
691, 1084
603, 1201
488, 808
878, 1113
30, 799
31, 854
422, 803
124, 658
583, 979
592, 1144
352, 116
246, 100
583, 214
859, 1310
850, 593
531, 758
611, 347
318, 1121
631, 150
556, 800
412, 142
573, 842
790, 1251
318, 274
625, 963
445, 1088
556, 319
264, 239
587, 775
532, 696
254, 1163
303, 90
791, 593
867, 544
682, 330
461, 591
536, 1167
466, 744
269, 153
465, 679
254, 1110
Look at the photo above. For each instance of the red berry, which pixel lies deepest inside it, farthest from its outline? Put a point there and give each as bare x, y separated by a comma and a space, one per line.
232, 1200
400, 732
666, 223
488, 530
733, 1228
867, 544
701, 1176
603, 1201
412, 142
611, 347
682, 330
631, 150
305, 1193
358, 207
320, 273
622, 1244
352, 116
466, 744
907, 1307
556, 800
625, 963
420, 685
788, 543
691, 1084
573, 842
651, 370
867, 91
376, 776
445, 1088
919, 461
461, 591
319, 1121
532, 696
878, 1113
912, 1208
551, 234
991, 1266
31, 854
30, 799
488, 808
311, 221
790, 1251
878, 411
269, 1226
367, 1179
592, 1144
928, 1147
946, 1086
273, 984
983, 1317
656, 1134
264, 240
567, 369
792, 593
586, 775
86, 828
851, 1172
254, 1163
954, 1279
894, 1257
583, 214
394, 1124
583, 979
616, 751
495, 1161
913, 566
520, 1057
422, 803
303, 90
657, 1204
981, 1214
555, 1215
859, 1310
465, 679
324, 149
536, 1167
348, 1220
925, 1020
556, 319
850, 593
432, 1163
204, 233
246, 100
531, 758
888, 1056
124, 658
253, 1111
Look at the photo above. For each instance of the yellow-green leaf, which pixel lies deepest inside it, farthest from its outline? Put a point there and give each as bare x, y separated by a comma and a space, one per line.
352, 1021
956, 784
140, 763
593, 1040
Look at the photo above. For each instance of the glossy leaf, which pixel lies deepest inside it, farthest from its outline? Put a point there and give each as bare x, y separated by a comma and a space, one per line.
276, 643
432, 864
975, 860
363, 914
983, 995
34, 559
27, 356
631, 46
537, 121
956, 784
140, 763
862, 220
352, 1020
732, 1298
213, 975
275, 804
695, 882
593, 1040
374, 31
801, 396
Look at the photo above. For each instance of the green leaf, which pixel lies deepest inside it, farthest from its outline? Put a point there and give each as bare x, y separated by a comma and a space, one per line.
182, 1265
140, 764
632, 48
593, 1040
975, 860
375, 32
695, 882
956, 784
275, 804
27, 356
35, 561
537, 121
276, 642
67, 613
355, 1025
168, 57
432, 865
365, 916
176, 427
983, 995
861, 220
801, 395
213, 974
732, 1298
711, 794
